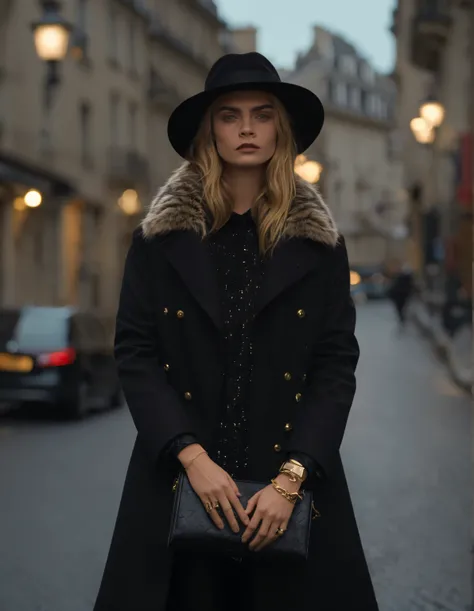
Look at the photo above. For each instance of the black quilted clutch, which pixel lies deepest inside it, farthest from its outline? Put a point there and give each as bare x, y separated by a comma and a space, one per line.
191, 526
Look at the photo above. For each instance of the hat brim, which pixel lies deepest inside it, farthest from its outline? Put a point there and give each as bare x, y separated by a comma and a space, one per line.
304, 109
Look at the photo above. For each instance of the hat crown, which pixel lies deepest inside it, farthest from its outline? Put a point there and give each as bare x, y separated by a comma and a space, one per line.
241, 67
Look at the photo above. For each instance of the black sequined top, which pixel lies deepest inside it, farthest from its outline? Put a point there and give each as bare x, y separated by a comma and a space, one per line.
234, 250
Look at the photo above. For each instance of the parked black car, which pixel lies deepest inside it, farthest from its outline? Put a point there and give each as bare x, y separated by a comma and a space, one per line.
57, 355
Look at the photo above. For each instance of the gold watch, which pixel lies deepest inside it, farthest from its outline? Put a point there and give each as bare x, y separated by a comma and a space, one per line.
295, 468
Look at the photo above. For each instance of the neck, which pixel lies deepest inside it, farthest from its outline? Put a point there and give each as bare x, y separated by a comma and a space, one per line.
244, 185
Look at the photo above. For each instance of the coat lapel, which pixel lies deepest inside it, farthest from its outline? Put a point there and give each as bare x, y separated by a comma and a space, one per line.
192, 260
178, 215
291, 261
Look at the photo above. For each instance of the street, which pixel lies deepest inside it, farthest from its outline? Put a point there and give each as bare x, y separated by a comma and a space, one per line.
407, 453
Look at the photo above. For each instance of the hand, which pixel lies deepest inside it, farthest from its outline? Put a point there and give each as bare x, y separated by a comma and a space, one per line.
271, 511
212, 484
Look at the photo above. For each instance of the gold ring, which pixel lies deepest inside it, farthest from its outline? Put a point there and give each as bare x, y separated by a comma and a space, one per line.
208, 506
216, 505
280, 532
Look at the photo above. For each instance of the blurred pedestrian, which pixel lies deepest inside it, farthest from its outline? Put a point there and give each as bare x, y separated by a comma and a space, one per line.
401, 291
236, 351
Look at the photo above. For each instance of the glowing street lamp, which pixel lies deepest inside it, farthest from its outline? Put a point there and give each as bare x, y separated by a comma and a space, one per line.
433, 112
129, 202
33, 198
422, 130
51, 33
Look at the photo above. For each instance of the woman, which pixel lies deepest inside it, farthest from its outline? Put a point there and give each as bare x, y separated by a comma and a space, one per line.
236, 352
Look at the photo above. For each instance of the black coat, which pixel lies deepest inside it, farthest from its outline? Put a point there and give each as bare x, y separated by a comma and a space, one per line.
169, 356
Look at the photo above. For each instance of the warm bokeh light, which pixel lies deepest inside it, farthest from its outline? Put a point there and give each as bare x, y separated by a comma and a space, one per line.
422, 130
129, 202
433, 113
33, 198
355, 278
51, 41
307, 169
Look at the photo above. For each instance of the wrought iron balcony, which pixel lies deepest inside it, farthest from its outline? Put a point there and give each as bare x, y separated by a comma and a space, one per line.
430, 31
127, 168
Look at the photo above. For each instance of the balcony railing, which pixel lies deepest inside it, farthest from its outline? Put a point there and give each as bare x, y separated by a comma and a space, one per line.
127, 168
431, 28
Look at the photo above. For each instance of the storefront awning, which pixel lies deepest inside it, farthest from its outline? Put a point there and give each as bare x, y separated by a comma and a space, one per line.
13, 170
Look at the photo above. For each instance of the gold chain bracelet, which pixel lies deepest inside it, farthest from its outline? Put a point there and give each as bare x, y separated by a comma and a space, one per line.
289, 496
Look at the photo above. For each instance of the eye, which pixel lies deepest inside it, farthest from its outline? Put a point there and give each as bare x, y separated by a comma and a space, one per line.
228, 118
264, 117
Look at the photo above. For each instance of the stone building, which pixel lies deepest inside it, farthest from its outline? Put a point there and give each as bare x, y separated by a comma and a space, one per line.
358, 147
100, 152
434, 61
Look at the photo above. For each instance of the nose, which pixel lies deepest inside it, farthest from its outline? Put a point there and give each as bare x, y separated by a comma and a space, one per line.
246, 128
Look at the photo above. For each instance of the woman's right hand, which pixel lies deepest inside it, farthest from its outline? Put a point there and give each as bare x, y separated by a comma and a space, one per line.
211, 483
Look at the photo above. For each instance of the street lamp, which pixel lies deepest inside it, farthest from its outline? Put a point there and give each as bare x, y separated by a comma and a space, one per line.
51, 37
422, 130
307, 169
433, 112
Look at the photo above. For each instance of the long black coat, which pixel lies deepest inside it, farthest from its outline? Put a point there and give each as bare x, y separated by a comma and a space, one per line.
169, 356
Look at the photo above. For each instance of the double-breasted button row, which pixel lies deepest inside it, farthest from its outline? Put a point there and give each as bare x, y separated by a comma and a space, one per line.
288, 427
288, 376
298, 397
301, 313
188, 396
166, 367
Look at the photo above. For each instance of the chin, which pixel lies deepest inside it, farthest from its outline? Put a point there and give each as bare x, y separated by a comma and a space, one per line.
248, 161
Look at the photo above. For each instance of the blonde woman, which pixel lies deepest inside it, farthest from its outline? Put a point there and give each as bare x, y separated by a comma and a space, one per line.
236, 352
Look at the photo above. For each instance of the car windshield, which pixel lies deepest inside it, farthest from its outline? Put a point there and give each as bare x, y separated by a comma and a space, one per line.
34, 329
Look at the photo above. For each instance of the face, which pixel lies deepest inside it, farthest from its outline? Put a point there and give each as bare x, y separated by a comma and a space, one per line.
244, 125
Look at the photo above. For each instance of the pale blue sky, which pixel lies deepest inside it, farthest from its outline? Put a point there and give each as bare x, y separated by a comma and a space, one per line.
285, 26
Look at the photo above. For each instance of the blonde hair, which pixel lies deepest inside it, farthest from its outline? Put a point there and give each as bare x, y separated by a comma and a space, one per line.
273, 203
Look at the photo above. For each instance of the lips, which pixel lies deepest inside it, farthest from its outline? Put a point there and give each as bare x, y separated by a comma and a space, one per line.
248, 146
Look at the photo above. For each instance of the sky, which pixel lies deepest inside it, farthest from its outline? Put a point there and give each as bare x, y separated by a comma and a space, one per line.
285, 26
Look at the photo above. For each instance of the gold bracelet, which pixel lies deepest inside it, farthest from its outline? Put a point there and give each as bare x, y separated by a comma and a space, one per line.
289, 496
293, 477
193, 459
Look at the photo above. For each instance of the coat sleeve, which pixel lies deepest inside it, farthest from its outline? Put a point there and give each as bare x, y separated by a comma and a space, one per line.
155, 406
321, 422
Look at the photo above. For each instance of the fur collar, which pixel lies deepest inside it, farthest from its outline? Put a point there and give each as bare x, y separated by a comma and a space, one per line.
178, 207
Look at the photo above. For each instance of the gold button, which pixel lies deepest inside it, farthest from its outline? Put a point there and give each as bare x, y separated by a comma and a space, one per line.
287, 376
288, 426
188, 396
166, 367
277, 447
301, 313
180, 314
165, 311
298, 397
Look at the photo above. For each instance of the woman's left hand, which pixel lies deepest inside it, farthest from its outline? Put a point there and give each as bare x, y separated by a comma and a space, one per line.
272, 511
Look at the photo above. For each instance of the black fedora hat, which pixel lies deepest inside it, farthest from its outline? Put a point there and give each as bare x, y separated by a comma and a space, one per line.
244, 72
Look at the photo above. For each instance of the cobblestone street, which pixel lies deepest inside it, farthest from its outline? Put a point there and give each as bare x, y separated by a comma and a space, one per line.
407, 457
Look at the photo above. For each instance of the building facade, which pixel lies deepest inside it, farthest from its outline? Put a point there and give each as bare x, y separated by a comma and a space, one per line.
101, 149
358, 148
434, 41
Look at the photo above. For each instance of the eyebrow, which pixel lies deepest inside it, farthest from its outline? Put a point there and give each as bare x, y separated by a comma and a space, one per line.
254, 109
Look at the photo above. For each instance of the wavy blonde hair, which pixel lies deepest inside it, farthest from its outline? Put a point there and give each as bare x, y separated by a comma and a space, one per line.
272, 205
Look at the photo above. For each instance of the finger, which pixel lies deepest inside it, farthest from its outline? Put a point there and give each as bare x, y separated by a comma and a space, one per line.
261, 536
214, 515
271, 537
234, 486
228, 512
252, 527
237, 505
252, 503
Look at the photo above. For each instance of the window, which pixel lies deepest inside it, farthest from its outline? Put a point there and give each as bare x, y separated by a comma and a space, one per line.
367, 74
85, 127
114, 117
348, 65
113, 34
341, 94
355, 98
